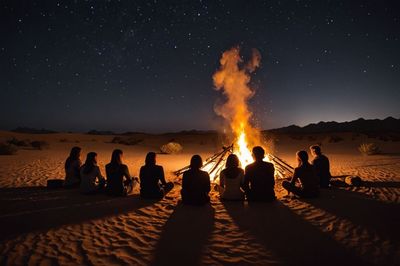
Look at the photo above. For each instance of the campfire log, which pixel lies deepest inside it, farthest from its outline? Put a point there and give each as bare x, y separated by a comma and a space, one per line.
215, 164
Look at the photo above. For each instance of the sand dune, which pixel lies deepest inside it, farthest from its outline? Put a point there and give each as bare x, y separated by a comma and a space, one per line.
346, 226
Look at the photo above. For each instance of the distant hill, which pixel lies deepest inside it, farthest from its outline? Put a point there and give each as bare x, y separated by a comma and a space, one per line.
28, 130
360, 125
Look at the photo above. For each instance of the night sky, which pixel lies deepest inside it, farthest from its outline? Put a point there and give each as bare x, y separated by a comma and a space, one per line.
148, 65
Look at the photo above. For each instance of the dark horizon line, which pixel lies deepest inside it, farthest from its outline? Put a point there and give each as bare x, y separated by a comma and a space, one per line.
112, 132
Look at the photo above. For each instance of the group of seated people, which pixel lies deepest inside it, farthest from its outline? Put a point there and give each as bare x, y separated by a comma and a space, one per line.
255, 183
119, 182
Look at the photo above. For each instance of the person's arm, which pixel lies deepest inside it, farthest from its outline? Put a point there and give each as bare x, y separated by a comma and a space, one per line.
246, 180
273, 174
295, 176
162, 176
99, 175
208, 184
222, 180
126, 173
184, 183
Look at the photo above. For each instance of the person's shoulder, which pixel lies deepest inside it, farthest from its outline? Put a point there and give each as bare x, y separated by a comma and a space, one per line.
159, 167
268, 164
249, 167
203, 172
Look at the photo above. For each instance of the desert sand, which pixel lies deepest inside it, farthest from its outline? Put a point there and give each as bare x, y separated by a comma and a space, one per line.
347, 225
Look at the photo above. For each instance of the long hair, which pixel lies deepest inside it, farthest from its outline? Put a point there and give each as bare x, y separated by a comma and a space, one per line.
73, 156
196, 162
90, 163
232, 169
116, 159
302, 157
150, 159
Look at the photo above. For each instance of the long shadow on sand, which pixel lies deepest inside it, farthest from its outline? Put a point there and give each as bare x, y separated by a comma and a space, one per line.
376, 216
184, 236
28, 209
291, 239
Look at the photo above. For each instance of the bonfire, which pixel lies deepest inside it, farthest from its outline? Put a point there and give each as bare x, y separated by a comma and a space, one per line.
232, 80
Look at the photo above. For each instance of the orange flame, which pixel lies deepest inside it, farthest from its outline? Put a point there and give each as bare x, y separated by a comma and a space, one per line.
232, 78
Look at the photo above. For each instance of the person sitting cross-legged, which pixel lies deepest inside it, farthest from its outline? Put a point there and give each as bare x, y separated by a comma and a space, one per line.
259, 179
321, 166
231, 180
305, 173
195, 183
119, 181
92, 181
72, 167
152, 180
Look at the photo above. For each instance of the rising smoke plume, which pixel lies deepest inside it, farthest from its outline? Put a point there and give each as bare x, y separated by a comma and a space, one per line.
232, 79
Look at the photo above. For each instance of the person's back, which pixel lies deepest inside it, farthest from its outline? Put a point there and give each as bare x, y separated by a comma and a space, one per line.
72, 175
91, 181
308, 179
150, 178
259, 181
321, 165
115, 178
231, 181
195, 187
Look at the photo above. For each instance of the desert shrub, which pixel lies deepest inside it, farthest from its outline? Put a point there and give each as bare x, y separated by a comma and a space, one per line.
63, 140
131, 141
116, 140
369, 149
171, 147
335, 139
19, 143
7, 149
39, 144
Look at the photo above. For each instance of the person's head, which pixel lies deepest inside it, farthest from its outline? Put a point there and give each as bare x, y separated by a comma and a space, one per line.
75, 153
116, 156
315, 149
91, 161
91, 158
232, 161
258, 153
150, 158
196, 162
302, 157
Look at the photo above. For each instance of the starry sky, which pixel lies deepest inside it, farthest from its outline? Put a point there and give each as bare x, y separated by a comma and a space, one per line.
148, 65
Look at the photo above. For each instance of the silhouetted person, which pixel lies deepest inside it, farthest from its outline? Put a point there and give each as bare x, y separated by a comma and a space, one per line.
119, 181
72, 167
259, 178
92, 181
152, 180
231, 179
305, 172
321, 165
195, 183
